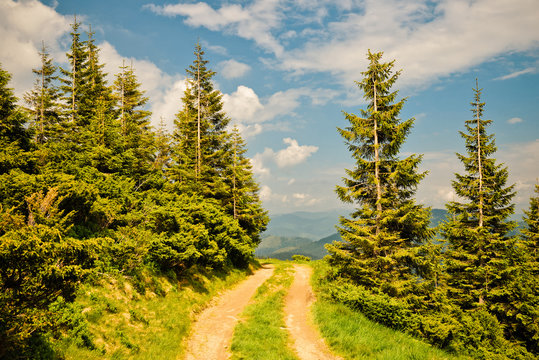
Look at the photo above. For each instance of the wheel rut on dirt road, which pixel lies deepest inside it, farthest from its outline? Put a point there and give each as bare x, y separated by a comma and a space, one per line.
308, 343
212, 332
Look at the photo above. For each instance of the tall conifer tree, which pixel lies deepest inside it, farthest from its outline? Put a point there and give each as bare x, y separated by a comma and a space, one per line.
135, 131
43, 100
243, 201
15, 139
478, 230
200, 133
378, 244
531, 231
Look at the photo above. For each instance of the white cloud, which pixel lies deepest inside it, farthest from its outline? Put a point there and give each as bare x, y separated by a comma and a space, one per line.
253, 22
521, 160
517, 73
267, 195
294, 154
428, 39
253, 116
258, 163
242, 104
232, 69
23, 27
302, 199
514, 120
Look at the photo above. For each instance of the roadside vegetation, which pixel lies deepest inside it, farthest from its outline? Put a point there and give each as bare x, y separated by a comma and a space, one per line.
475, 290
90, 190
352, 335
143, 317
261, 333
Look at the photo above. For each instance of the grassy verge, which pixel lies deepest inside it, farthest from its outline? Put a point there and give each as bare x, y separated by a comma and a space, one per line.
353, 336
262, 334
142, 317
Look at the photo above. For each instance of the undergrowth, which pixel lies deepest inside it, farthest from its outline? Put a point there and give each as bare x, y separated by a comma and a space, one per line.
349, 333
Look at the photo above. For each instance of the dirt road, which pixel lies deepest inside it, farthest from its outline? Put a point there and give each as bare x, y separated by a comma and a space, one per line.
212, 332
307, 341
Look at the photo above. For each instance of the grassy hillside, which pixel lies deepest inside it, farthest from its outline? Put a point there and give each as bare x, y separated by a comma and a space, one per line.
147, 316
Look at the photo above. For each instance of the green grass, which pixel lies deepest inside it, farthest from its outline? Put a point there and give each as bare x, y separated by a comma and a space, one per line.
149, 323
353, 336
262, 335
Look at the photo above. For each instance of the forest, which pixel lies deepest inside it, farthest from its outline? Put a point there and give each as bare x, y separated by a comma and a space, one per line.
89, 188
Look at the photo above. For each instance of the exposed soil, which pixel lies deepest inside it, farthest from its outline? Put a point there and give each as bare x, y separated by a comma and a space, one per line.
212, 332
308, 343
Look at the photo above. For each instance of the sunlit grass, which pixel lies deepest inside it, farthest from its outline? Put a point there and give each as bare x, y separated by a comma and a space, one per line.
150, 324
353, 336
261, 335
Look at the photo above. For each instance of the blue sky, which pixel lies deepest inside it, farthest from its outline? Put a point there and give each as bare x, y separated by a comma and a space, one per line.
287, 70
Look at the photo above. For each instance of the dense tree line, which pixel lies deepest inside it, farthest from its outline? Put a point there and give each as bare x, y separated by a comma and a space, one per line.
88, 186
475, 290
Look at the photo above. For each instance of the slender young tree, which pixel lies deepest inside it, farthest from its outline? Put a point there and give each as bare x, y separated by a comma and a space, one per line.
379, 240
200, 133
243, 201
43, 100
72, 78
478, 230
531, 231
15, 139
137, 137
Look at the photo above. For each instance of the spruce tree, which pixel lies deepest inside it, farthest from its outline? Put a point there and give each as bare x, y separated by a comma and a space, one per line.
381, 237
531, 231
200, 133
15, 139
243, 201
73, 77
527, 286
135, 130
480, 247
43, 100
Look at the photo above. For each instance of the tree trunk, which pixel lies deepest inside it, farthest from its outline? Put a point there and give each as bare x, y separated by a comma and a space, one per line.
377, 166
479, 165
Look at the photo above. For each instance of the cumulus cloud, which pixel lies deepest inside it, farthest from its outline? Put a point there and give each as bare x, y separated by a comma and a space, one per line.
302, 199
23, 27
267, 195
232, 69
253, 22
294, 154
25, 24
521, 160
258, 160
514, 120
253, 116
242, 104
428, 39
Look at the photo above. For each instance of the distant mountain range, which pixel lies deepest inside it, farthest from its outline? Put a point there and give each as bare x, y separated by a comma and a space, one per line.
309, 225
280, 247
306, 233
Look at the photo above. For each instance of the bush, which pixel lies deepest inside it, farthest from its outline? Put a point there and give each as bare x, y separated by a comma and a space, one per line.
476, 333
300, 258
